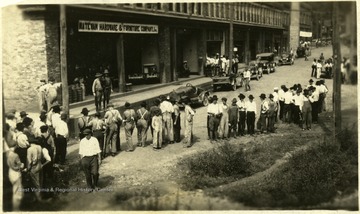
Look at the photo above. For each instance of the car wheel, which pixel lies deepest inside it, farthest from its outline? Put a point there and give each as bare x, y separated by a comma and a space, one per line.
205, 101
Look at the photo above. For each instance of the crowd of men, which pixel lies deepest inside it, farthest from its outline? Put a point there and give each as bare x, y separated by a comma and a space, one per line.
33, 150
297, 104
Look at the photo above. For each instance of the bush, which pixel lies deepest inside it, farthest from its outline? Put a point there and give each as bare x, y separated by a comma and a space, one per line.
310, 177
217, 166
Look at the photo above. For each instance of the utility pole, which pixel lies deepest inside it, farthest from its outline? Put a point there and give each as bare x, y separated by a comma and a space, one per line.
63, 62
231, 35
337, 71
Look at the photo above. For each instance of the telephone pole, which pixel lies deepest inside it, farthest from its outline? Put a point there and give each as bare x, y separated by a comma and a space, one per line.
63, 62
337, 70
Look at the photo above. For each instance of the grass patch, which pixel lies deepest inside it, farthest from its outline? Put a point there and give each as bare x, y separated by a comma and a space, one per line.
230, 162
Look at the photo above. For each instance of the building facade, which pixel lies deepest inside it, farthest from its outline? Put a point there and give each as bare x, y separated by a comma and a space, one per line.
138, 43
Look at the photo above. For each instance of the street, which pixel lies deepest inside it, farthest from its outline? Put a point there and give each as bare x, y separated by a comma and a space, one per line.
146, 168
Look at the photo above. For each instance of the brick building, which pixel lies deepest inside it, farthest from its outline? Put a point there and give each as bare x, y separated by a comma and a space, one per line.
135, 42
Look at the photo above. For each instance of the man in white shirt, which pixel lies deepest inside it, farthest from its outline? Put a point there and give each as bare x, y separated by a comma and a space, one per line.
276, 100
287, 108
298, 102
90, 154
167, 110
62, 134
318, 69
323, 90
250, 115
241, 104
247, 76
214, 113
113, 120
314, 98
264, 107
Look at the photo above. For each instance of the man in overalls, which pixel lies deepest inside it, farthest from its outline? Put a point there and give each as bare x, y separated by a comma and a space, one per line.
107, 87
113, 120
97, 90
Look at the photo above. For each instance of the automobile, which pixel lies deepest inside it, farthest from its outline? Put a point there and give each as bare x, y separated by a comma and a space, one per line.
300, 52
266, 62
230, 81
256, 72
196, 95
286, 59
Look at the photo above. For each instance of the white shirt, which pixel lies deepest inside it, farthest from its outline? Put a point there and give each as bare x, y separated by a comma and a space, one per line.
55, 118
247, 74
241, 105
315, 95
264, 106
250, 106
214, 109
298, 100
22, 140
37, 126
89, 147
322, 89
166, 106
276, 97
288, 97
281, 95
62, 128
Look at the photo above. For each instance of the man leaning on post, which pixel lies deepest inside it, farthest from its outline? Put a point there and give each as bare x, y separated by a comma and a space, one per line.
90, 154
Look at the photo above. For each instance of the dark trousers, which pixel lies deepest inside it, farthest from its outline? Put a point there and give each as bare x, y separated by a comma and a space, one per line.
214, 126
90, 165
292, 113
60, 145
241, 124
281, 113
271, 121
98, 99
262, 119
314, 112
107, 93
313, 71
286, 113
250, 120
100, 137
296, 114
177, 129
208, 126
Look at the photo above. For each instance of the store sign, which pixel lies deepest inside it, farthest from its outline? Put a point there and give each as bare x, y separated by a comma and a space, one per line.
305, 34
115, 27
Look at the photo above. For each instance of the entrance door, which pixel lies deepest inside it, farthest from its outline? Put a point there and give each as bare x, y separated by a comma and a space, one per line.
132, 55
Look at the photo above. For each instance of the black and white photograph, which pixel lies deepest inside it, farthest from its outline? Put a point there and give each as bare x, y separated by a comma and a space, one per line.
179, 106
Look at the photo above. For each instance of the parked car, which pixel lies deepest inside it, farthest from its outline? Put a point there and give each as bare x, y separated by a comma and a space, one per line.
231, 81
286, 59
197, 95
266, 62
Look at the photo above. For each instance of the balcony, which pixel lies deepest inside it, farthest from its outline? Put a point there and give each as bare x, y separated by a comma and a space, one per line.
244, 12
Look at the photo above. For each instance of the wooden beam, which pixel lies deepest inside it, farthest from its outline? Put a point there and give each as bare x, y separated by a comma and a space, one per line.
120, 62
63, 61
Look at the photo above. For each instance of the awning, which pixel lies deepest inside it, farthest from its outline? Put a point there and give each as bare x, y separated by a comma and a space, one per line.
305, 34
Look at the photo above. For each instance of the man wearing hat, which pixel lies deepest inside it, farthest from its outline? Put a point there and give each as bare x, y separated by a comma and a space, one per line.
83, 122
233, 118
97, 90
23, 114
113, 121
142, 124
264, 108
51, 92
189, 120
250, 107
287, 105
98, 126
90, 155
107, 85
276, 100
311, 83
272, 113
214, 113
167, 109
242, 114
41, 89
62, 134
281, 101
129, 125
